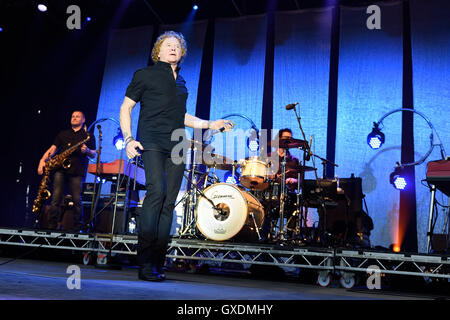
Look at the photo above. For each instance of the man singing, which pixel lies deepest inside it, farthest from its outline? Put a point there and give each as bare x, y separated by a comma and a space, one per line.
162, 93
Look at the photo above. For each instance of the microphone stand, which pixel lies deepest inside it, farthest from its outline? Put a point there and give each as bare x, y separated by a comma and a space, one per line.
324, 161
95, 195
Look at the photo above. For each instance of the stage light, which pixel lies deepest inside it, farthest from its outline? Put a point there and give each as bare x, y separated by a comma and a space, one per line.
42, 7
253, 145
118, 141
396, 248
1, 29
375, 139
88, 19
195, 7
253, 141
230, 179
397, 178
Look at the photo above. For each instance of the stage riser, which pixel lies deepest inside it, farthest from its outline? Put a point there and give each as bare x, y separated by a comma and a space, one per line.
328, 260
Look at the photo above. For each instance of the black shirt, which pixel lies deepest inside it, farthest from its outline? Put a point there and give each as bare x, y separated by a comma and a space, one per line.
163, 104
78, 160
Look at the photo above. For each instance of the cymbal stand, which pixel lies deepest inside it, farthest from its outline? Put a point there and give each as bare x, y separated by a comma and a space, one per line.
281, 230
190, 200
90, 227
298, 213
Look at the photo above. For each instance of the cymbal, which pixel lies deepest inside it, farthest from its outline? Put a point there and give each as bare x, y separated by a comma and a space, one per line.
293, 172
292, 143
217, 161
196, 144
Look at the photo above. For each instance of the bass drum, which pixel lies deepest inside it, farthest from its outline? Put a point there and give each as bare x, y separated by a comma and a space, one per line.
241, 215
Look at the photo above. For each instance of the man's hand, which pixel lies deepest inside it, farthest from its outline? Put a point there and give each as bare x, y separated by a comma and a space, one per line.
84, 148
221, 123
131, 149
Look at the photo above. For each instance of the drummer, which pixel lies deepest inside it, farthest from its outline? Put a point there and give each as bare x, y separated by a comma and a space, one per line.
291, 161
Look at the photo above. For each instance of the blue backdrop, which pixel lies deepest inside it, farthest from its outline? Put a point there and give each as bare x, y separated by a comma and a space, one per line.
370, 79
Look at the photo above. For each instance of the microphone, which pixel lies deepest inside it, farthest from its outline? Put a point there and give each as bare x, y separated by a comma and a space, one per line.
291, 106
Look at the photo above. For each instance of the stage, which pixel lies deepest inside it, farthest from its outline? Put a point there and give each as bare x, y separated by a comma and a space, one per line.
47, 280
199, 269
313, 139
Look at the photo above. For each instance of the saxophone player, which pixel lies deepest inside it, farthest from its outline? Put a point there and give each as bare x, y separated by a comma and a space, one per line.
73, 176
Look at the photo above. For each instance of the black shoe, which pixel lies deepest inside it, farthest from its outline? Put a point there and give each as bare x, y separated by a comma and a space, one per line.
149, 273
160, 270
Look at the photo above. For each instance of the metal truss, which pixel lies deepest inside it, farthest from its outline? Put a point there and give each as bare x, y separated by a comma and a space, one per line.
274, 255
423, 265
326, 261
47, 239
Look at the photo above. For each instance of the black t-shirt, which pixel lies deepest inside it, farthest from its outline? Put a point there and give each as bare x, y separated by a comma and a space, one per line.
78, 160
163, 104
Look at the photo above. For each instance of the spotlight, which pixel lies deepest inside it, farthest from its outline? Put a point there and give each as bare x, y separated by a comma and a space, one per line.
230, 179
195, 7
375, 139
397, 178
88, 19
42, 7
1, 29
118, 141
253, 145
253, 141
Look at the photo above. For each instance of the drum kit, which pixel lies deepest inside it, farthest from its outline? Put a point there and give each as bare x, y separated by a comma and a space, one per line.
261, 207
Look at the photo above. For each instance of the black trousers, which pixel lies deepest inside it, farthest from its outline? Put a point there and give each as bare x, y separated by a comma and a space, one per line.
163, 182
74, 183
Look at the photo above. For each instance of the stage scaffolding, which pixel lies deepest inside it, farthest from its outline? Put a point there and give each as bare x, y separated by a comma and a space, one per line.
327, 262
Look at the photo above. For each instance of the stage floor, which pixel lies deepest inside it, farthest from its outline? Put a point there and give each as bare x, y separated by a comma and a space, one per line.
42, 279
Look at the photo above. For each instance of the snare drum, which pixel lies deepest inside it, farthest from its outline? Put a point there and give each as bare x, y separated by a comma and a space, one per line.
241, 215
254, 173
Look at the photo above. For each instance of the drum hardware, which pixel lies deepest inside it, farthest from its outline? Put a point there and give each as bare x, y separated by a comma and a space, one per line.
190, 198
281, 234
216, 161
256, 226
189, 220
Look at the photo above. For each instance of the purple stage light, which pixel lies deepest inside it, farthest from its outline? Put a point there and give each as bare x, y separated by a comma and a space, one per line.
397, 178
375, 139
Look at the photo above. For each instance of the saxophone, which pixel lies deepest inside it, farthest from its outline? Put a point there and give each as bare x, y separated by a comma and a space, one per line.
60, 160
